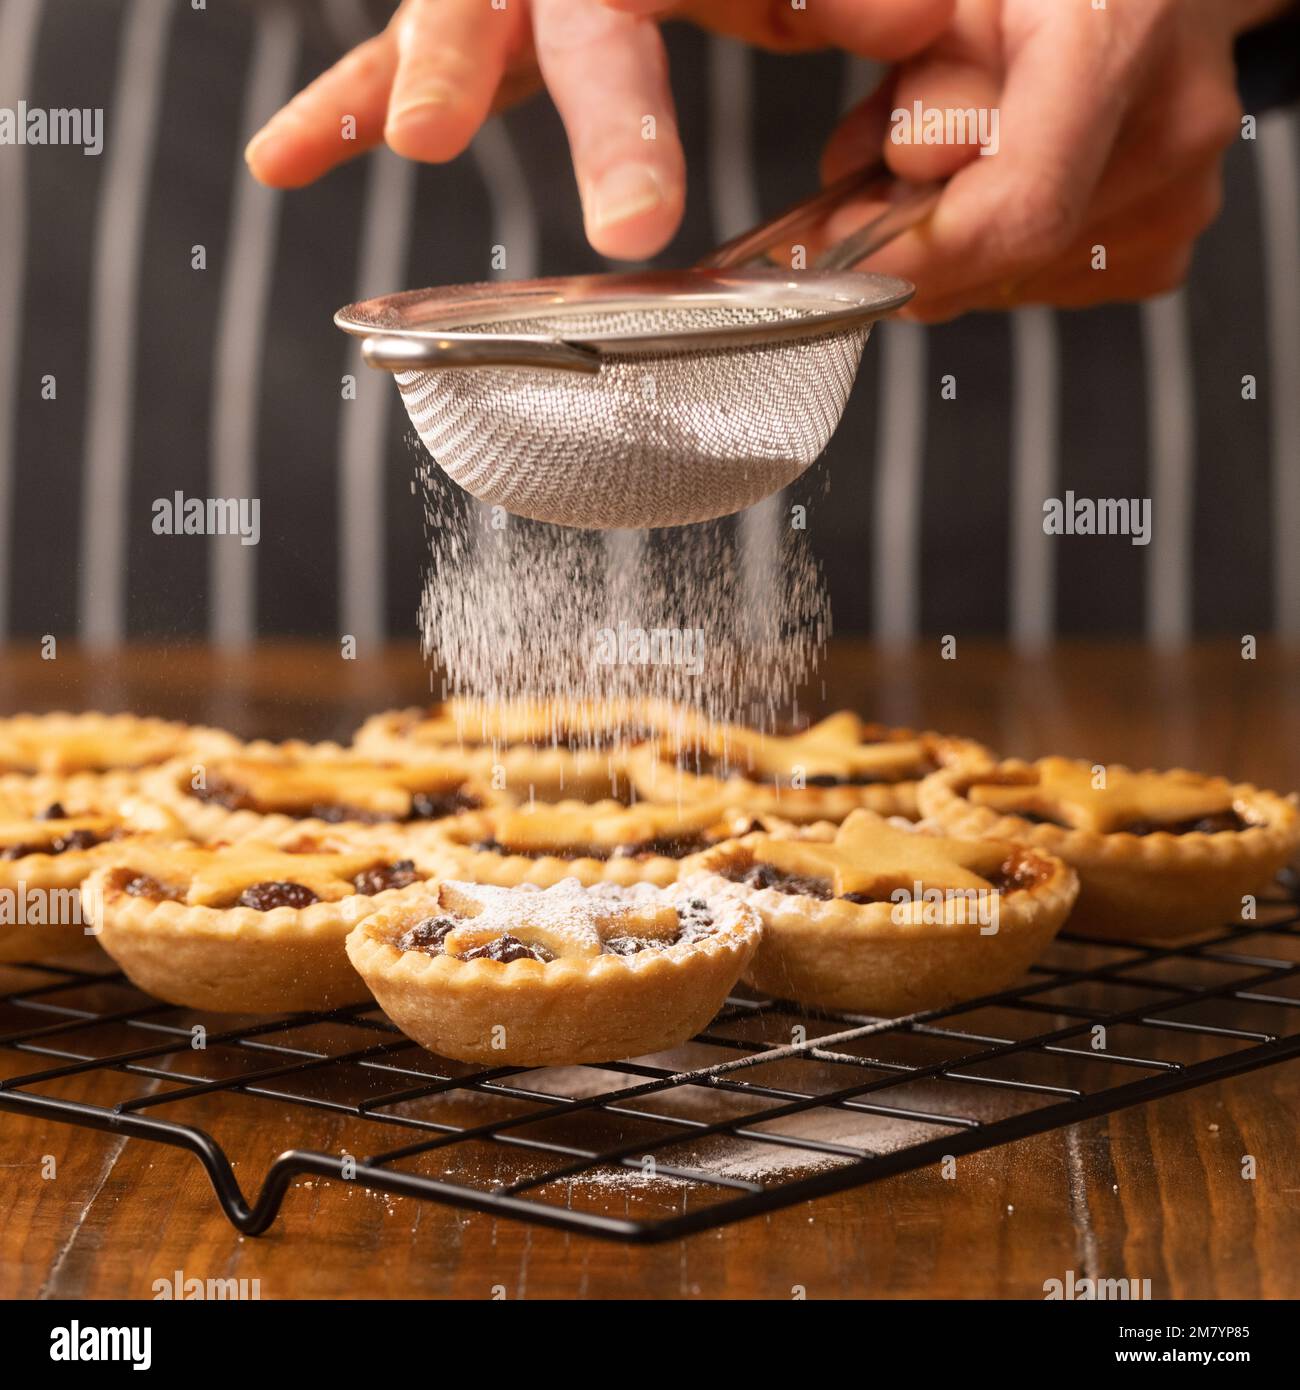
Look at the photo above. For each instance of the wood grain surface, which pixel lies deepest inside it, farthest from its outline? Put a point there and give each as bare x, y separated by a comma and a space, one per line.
1155, 1192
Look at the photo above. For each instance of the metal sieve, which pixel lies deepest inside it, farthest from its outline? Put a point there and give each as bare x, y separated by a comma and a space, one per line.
649, 398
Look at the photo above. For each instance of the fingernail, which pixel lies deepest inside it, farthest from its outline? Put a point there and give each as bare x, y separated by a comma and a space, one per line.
628, 191
432, 98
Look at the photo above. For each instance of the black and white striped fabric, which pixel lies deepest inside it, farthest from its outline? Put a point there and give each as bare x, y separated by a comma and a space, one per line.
215, 372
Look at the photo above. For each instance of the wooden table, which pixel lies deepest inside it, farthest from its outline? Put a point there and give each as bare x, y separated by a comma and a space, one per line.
1155, 1192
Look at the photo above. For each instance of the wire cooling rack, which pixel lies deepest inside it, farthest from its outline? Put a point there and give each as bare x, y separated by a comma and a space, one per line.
772, 1105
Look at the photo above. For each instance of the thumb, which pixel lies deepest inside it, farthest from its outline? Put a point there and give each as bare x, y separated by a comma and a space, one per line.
940, 108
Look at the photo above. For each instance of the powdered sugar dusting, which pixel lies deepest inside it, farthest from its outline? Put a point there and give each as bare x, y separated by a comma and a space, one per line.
730, 621
567, 908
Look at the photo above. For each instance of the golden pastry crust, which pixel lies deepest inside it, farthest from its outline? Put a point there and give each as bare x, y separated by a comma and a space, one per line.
269, 789
985, 912
1157, 886
594, 842
769, 774
587, 1004
549, 749
53, 832
60, 744
201, 947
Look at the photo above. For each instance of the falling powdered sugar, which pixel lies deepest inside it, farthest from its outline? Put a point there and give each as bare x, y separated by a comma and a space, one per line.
730, 620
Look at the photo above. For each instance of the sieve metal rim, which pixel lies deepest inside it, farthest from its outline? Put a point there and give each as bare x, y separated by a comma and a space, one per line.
404, 328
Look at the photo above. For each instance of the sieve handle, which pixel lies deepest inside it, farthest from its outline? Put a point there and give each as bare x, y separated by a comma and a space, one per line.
391, 353
909, 204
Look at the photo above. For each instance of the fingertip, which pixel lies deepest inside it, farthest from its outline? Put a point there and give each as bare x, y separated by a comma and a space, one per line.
434, 129
272, 163
638, 237
255, 158
927, 163
632, 211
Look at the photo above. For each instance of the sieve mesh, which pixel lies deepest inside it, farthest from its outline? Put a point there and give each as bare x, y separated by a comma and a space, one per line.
654, 438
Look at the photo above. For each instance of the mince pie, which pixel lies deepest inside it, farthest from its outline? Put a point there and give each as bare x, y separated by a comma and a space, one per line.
824, 773
1160, 855
552, 749
528, 976
268, 788
60, 744
594, 842
887, 919
250, 927
53, 832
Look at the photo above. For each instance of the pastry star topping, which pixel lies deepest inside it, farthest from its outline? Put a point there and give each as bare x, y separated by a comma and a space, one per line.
566, 919
469, 722
607, 826
36, 744
215, 878
290, 785
1065, 791
872, 857
832, 748
524, 721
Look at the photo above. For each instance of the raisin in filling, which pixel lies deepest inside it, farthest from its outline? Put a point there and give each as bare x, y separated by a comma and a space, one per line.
923, 768
142, 886
427, 935
424, 805
494, 846
705, 765
61, 844
508, 948
1034, 818
574, 740
765, 876
625, 945
437, 805
694, 918
1201, 825
1015, 873
385, 876
1198, 825
665, 846
222, 793
263, 897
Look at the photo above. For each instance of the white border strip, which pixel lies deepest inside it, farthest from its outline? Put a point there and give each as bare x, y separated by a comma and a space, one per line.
861, 77
733, 200
1035, 470
900, 466
385, 240
19, 24
514, 220
514, 227
1279, 182
1171, 426
241, 329
348, 21
131, 138
733, 196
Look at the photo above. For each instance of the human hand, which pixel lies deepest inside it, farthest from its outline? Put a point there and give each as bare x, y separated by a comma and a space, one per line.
1113, 128
427, 83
